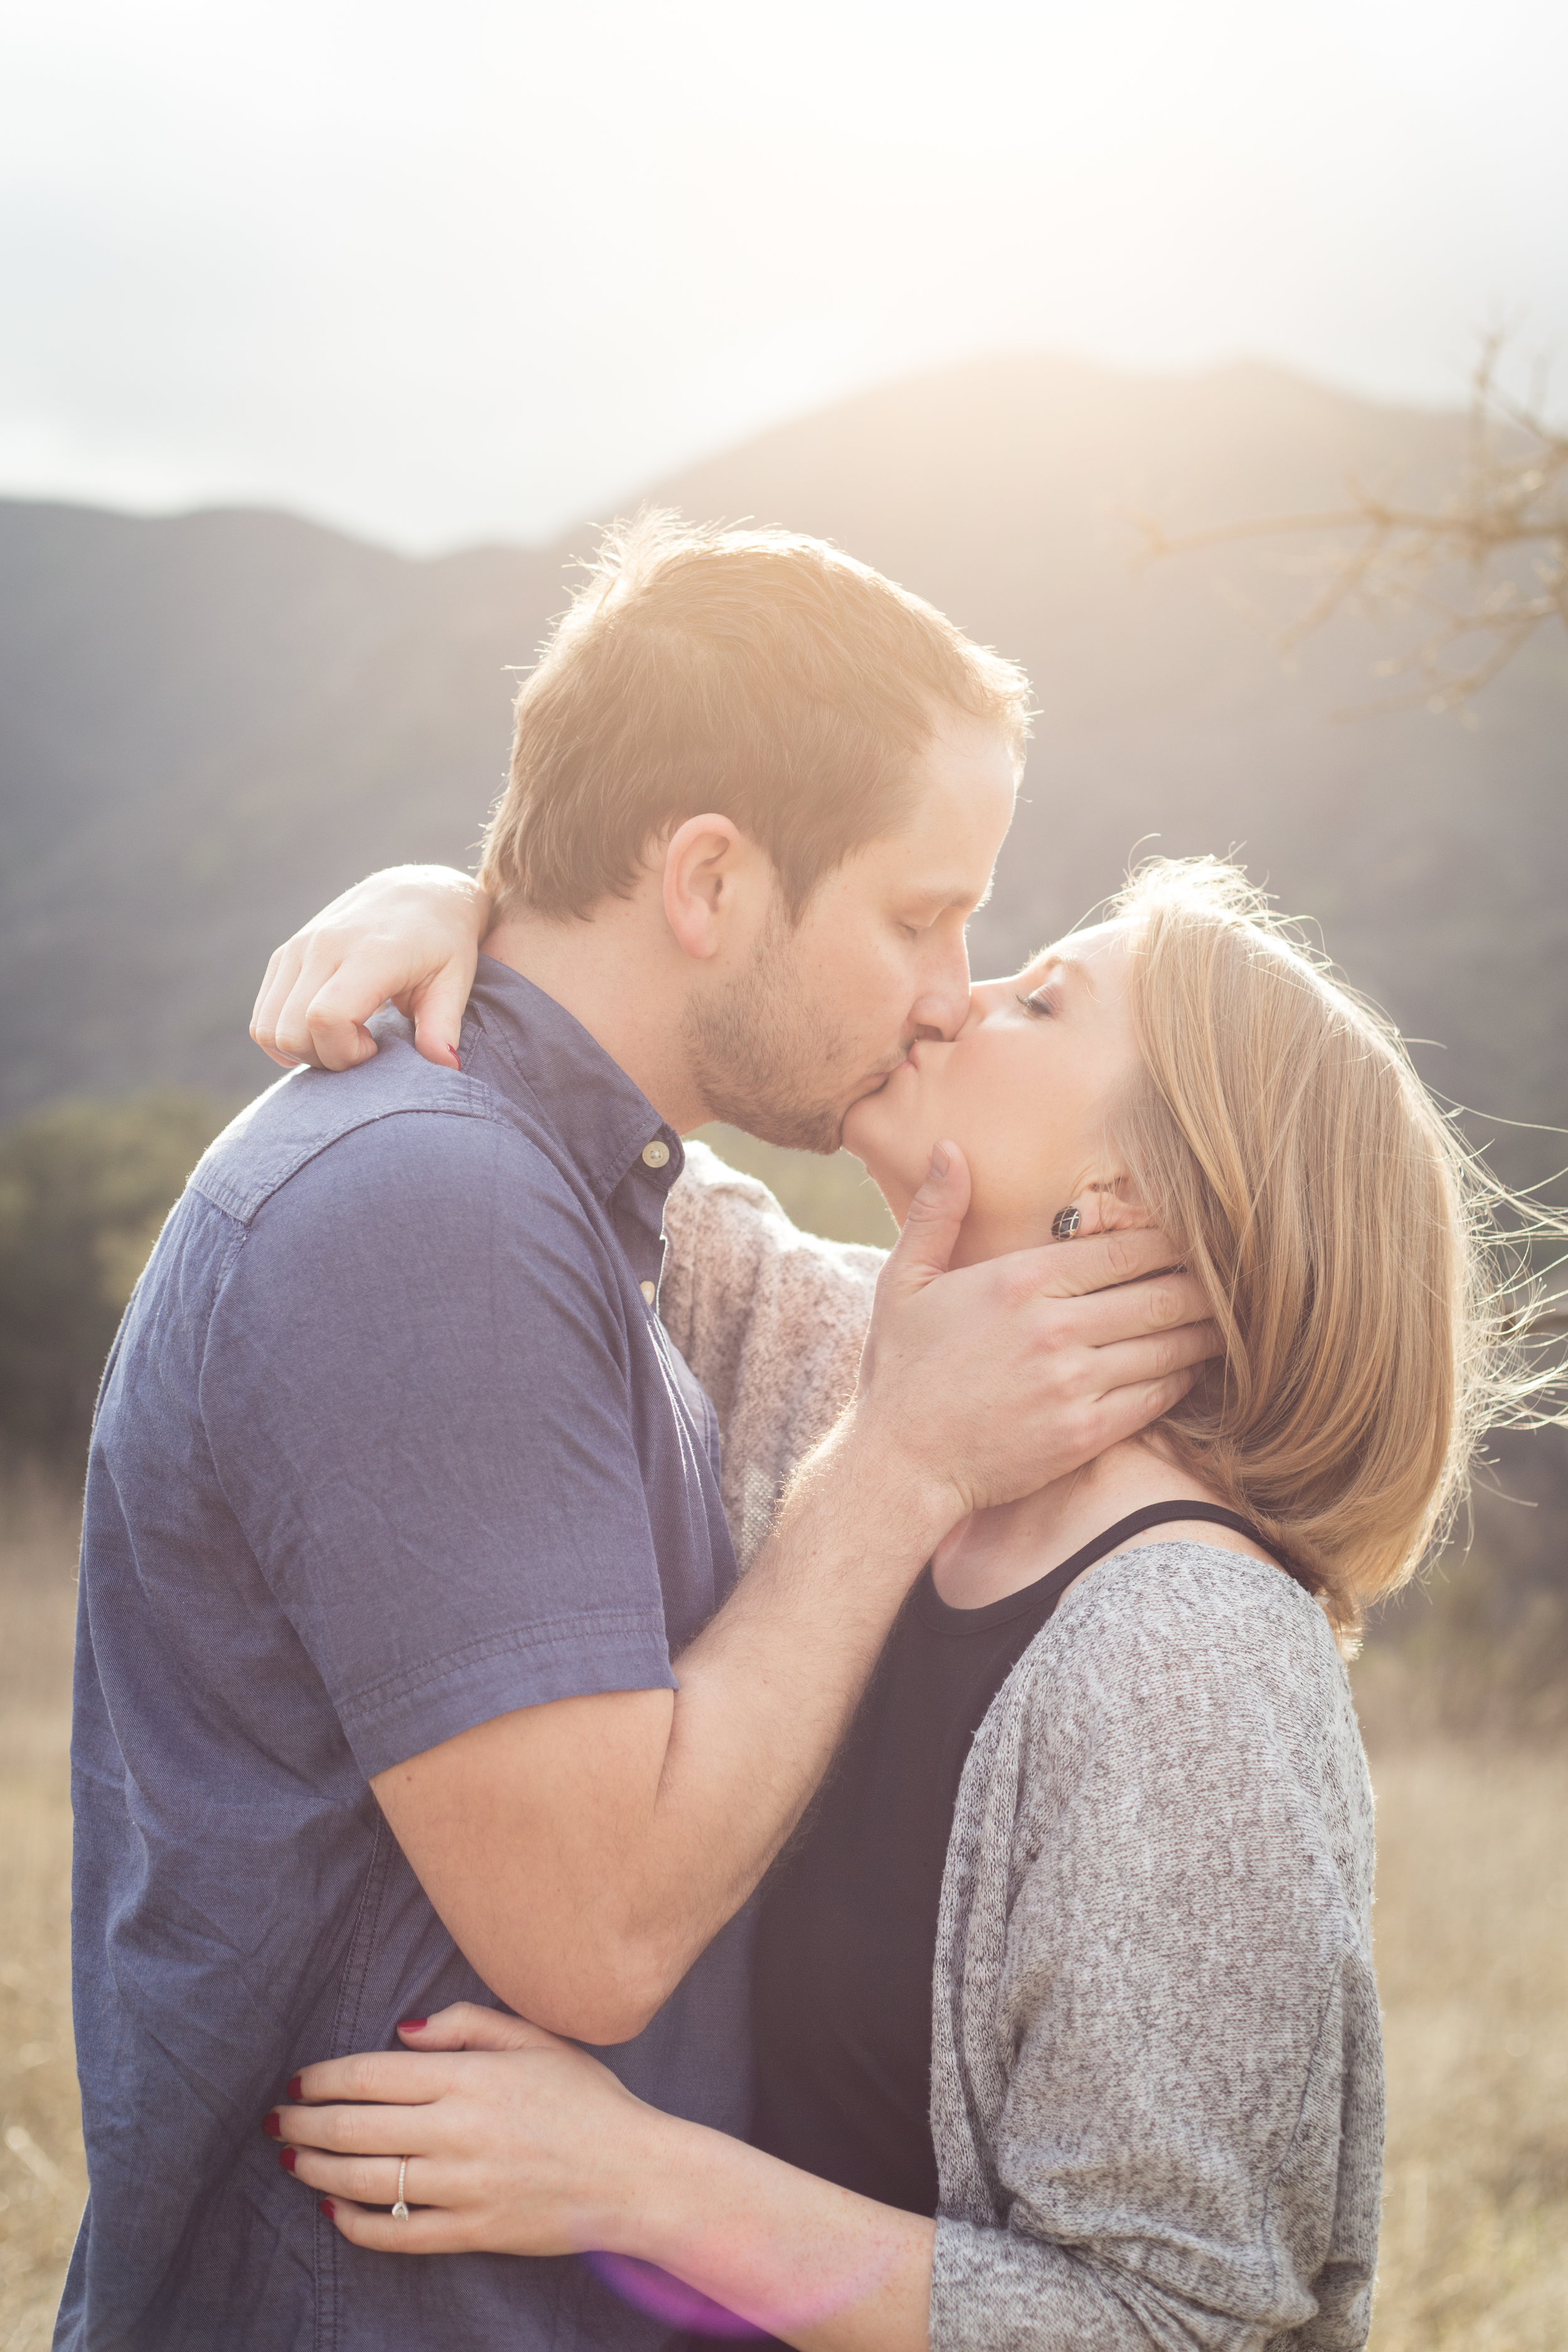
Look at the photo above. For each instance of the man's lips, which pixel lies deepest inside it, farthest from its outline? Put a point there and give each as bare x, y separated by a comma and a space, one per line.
881, 1078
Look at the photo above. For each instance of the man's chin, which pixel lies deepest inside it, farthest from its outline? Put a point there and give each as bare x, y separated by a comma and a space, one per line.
820, 1127
791, 1128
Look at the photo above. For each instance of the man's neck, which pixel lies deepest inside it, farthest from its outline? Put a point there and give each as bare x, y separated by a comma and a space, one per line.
619, 983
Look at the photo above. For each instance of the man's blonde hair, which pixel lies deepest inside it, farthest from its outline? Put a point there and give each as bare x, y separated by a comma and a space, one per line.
1345, 1238
757, 674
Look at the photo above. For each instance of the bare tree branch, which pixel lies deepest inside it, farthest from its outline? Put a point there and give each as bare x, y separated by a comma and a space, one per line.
1511, 500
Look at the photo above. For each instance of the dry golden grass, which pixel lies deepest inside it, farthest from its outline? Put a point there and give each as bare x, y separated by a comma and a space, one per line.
1472, 1939
1472, 1951
42, 2177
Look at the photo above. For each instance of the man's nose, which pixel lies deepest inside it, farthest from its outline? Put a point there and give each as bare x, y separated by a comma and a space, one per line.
943, 1007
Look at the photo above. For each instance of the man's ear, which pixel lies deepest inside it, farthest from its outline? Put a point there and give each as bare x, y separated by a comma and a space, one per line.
710, 868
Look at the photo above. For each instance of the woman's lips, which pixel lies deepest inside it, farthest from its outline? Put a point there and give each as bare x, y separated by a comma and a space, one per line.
888, 1077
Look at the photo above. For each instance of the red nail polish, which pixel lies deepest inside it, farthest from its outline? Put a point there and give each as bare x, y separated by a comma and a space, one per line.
271, 2127
286, 2157
328, 2207
296, 2091
413, 2024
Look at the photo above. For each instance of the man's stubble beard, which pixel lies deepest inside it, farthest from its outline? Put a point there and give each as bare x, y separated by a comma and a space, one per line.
766, 1057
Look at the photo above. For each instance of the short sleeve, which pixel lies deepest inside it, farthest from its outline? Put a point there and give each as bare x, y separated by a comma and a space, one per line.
418, 1393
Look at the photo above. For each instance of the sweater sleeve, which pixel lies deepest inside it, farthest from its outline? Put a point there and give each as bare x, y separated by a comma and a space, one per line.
770, 1319
1167, 2051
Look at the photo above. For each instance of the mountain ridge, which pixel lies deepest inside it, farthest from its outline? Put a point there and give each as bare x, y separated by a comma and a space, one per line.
211, 721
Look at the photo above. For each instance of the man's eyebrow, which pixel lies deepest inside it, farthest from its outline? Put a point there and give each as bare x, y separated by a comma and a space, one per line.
942, 895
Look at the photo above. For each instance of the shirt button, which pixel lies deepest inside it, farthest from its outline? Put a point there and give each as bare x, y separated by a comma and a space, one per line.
648, 1291
655, 1155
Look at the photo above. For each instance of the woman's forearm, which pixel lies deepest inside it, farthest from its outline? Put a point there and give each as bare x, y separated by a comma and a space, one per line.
523, 2144
822, 2268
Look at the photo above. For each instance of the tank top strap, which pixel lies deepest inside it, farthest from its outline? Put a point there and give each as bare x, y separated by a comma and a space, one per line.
1156, 1514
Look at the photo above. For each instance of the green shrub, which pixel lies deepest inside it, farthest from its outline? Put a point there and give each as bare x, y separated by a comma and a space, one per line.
84, 1190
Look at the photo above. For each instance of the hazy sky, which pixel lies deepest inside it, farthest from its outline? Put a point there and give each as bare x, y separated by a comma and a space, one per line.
450, 271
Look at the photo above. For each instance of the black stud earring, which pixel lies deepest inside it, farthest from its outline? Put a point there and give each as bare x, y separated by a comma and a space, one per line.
1065, 1224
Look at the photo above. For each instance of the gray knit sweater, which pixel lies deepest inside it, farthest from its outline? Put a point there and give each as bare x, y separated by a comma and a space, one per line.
1157, 2083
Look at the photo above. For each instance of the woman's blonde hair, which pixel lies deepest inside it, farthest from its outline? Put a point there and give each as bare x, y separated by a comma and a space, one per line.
1347, 1241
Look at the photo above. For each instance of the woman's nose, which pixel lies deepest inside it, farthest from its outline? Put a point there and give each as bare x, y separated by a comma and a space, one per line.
983, 996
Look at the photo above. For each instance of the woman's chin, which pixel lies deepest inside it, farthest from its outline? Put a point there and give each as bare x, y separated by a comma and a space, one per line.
859, 1144
866, 1138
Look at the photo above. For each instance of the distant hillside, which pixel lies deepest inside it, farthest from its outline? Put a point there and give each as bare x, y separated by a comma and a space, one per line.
208, 723
204, 724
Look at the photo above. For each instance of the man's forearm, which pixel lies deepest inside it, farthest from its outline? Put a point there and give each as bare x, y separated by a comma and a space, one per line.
583, 1853
768, 1689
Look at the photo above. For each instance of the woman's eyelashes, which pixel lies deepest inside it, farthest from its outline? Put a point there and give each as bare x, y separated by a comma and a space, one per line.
1038, 1002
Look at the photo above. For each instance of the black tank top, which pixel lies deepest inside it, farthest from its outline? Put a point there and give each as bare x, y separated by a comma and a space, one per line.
848, 1933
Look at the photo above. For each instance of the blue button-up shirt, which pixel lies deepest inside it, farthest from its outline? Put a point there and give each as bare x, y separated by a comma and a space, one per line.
390, 1442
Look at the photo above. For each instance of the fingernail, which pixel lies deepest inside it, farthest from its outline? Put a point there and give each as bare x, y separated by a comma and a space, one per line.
940, 1162
271, 2127
413, 2024
296, 2089
286, 2157
328, 2207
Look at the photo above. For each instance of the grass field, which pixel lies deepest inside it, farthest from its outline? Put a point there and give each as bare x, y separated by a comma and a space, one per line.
1472, 1939
41, 2178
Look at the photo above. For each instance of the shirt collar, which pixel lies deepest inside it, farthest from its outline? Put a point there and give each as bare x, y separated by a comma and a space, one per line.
605, 1119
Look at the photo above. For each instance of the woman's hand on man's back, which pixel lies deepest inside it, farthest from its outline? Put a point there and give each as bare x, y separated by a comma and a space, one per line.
409, 936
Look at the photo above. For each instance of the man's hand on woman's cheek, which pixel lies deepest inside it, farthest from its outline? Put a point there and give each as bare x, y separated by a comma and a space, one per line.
992, 1380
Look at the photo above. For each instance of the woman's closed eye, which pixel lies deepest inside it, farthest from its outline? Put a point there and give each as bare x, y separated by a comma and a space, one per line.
1038, 1002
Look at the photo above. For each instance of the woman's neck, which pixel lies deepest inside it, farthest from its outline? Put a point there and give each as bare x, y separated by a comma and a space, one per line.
996, 1552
